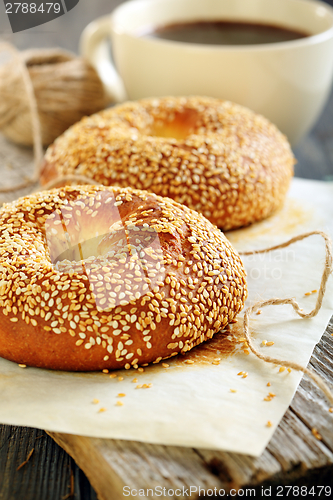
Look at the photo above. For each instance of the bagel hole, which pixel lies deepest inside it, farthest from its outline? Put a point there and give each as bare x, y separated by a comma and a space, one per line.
105, 245
110, 241
177, 125
81, 251
109, 244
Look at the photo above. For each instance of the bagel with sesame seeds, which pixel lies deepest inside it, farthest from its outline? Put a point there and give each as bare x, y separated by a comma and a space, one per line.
96, 277
216, 157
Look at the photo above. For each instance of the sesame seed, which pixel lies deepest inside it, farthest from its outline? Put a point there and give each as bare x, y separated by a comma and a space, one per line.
316, 434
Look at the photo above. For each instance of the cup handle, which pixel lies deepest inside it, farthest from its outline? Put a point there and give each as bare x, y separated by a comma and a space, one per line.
95, 48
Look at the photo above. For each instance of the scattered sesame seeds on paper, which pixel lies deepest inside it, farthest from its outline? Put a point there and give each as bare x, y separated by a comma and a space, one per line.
208, 402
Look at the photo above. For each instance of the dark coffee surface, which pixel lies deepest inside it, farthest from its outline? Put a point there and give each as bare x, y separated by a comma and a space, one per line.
225, 33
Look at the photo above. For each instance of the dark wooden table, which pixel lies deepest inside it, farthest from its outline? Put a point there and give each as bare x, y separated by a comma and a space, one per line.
34, 467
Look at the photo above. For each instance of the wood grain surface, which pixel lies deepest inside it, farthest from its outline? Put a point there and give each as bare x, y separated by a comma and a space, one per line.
293, 456
34, 467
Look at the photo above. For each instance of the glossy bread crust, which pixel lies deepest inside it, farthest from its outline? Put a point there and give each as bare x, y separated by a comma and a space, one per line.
216, 157
106, 277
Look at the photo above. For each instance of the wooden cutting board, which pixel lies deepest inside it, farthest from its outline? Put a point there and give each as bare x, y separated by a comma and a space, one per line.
294, 454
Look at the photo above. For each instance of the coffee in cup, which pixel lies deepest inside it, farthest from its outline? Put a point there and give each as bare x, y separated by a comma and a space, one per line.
285, 75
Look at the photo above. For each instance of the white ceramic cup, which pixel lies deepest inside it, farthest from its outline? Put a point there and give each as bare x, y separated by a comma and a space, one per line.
288, 82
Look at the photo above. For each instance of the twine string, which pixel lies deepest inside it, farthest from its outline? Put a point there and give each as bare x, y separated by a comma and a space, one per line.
35, 122
291, 301
60, 89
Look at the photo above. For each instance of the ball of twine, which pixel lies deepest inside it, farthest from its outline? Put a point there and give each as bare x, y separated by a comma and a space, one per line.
66, 88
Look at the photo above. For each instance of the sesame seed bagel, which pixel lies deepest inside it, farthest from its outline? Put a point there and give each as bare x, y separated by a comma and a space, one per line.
216, 157
95, 277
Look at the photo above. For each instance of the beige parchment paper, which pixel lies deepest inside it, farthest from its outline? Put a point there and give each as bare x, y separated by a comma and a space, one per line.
202, 404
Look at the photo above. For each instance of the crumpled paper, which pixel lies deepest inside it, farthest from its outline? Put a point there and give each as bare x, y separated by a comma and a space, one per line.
216, 396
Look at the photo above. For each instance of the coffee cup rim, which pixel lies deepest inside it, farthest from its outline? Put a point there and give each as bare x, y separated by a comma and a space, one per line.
311, 39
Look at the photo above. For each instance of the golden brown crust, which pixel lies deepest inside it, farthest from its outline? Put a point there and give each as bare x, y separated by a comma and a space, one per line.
216, 157
161, 280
